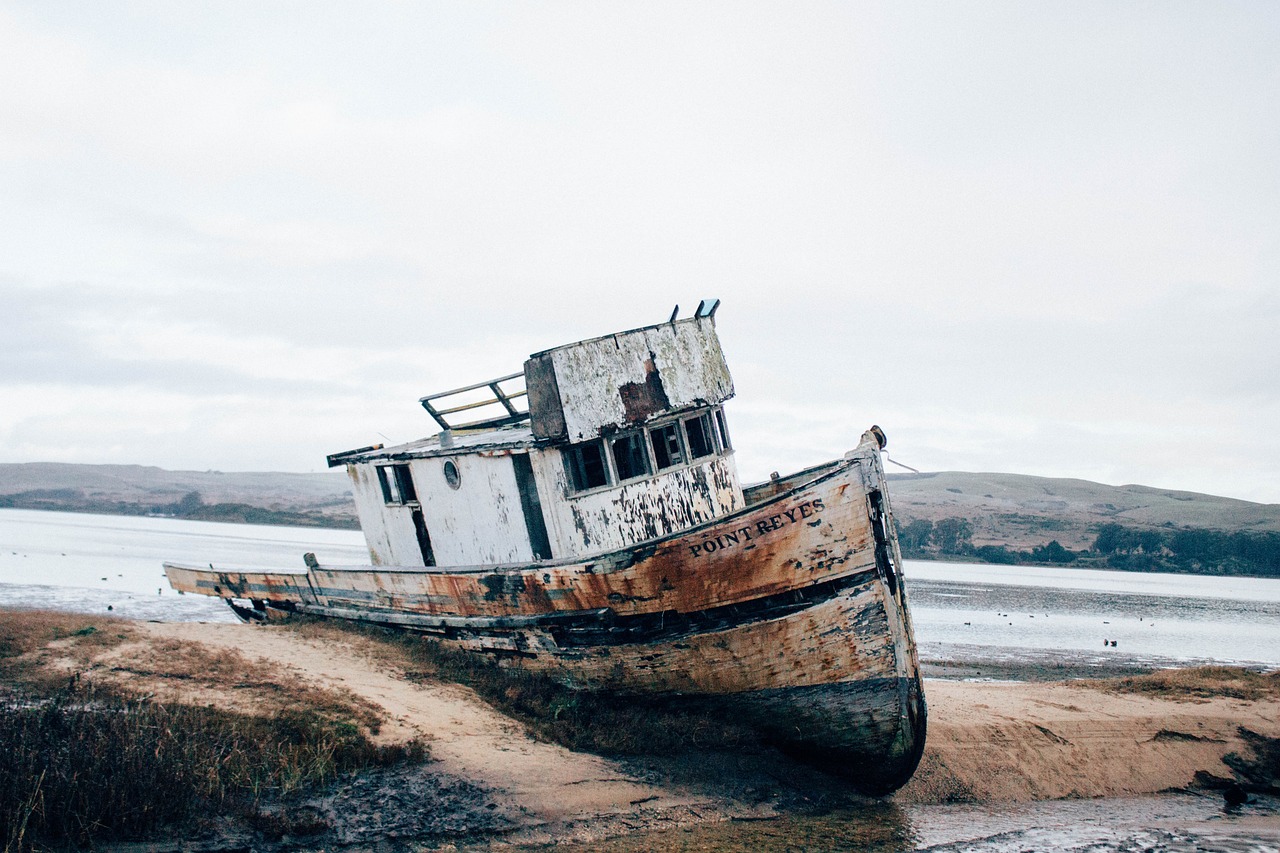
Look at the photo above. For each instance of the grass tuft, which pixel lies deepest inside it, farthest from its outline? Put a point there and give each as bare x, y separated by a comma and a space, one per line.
1205, 682
84, 767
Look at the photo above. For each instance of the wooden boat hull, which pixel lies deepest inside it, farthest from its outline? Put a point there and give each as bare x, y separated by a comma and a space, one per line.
790, 613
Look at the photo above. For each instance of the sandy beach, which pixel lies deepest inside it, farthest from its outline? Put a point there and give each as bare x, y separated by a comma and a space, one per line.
488, 780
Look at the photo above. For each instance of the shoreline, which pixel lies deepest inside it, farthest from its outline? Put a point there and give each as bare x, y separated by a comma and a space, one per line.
1026, 672
991, 742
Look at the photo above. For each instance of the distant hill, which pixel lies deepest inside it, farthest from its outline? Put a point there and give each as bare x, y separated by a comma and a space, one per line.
1014, 518
262, 497
1019, 510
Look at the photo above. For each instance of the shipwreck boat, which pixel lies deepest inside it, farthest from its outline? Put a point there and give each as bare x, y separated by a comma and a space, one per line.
595, 528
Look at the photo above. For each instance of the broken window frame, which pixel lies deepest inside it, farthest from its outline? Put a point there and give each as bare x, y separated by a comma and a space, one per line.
397, 486
722, 431
715, 432
577, 469
707, 434
638, 463
667, 442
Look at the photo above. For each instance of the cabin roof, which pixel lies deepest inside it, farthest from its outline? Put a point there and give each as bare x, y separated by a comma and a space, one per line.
448, 443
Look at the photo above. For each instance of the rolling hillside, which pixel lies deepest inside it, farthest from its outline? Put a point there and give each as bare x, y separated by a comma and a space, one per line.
309, 499
1018, 510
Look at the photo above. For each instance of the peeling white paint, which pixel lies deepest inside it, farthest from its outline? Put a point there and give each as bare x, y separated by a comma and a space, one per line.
686, 357
480, 522
610, 519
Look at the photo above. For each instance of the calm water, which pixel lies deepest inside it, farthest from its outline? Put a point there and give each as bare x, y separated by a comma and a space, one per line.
1032, 614
962, 612
87, 563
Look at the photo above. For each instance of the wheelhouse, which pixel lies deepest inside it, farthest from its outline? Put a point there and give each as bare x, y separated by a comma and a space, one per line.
595, 446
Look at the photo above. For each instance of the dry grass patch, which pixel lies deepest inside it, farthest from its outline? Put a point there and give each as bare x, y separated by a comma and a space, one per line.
225, 677
73, 712
89, 766
25, 631
1198, 683
31, 639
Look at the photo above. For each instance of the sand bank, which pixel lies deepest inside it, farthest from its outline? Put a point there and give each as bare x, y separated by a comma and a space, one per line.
1021, 741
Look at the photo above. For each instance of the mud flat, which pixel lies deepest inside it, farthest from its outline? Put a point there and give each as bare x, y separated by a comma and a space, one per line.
489, 784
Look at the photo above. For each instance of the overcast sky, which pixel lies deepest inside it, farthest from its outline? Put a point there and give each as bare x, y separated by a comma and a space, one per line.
1027, 237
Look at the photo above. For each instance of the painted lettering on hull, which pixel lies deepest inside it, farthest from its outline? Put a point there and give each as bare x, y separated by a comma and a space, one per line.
736, 538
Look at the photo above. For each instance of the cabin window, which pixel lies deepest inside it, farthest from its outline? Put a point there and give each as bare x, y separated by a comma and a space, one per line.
629, 456
397, 484
451, 475
722, 432
666, 446
699, 436
586, 465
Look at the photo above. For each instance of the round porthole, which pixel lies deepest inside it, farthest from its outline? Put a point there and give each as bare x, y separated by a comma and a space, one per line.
451, 475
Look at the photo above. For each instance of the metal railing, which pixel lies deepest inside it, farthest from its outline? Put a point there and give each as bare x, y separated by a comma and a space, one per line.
511, 413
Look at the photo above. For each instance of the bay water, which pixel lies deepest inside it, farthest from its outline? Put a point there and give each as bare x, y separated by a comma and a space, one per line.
91, 563
967, 612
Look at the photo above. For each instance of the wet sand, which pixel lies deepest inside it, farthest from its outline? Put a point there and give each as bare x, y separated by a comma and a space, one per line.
989, 742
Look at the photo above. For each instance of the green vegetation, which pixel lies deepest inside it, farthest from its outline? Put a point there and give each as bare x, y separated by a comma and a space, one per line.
1190, 550
1115, 546
85, 764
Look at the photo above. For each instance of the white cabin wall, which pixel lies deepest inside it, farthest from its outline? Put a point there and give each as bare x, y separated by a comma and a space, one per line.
479, 523
579, 524
388, 529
